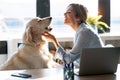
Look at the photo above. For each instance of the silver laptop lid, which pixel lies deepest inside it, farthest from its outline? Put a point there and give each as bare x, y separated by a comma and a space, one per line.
99, 60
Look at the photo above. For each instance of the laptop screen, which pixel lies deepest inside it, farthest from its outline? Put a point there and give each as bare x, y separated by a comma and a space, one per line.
99, 60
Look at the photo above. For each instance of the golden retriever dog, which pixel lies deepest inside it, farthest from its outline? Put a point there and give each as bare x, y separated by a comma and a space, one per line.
33, 53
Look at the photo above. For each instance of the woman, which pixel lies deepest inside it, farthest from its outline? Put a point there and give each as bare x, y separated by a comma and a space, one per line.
75, 17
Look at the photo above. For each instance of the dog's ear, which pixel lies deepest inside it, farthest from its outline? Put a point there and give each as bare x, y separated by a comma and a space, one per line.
27, 37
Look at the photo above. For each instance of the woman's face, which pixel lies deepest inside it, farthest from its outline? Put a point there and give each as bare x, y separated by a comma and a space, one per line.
70, 18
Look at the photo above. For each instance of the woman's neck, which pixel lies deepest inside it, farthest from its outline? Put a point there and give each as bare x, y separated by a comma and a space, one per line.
75, 27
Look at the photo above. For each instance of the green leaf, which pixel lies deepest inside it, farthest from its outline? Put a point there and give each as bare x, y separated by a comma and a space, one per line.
94, 21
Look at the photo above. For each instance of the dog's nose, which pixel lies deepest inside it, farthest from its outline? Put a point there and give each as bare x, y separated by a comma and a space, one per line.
50, 29
50, 17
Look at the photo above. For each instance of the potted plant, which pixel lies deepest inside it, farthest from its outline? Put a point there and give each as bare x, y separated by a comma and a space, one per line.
96, 23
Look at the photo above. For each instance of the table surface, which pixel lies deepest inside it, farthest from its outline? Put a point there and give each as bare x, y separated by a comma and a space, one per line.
54, 74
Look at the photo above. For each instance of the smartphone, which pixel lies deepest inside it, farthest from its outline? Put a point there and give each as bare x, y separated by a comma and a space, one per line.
21, 75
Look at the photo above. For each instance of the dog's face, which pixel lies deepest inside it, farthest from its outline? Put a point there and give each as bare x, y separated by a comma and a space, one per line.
40, 24
35, 28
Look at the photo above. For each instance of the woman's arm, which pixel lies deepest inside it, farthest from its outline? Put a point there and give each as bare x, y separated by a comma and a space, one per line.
71, 55
51, 38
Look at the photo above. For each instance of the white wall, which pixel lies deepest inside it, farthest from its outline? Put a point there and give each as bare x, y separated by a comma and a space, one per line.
3, 58
12, 46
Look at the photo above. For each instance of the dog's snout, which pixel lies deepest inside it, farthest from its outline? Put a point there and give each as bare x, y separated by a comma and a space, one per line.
48, 28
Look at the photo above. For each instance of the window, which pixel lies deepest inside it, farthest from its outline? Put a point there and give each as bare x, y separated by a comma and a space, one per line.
58, 7
14, 14
115, 18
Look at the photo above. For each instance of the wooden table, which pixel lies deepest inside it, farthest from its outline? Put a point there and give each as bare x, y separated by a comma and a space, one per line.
54, 74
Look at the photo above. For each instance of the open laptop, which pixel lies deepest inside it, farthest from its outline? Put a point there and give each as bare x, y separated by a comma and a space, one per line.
95, 61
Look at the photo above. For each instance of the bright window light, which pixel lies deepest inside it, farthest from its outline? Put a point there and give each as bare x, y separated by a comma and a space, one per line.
15, 13
115, 18
58, 8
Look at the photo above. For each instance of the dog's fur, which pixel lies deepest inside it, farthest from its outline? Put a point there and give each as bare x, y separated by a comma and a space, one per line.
33, 53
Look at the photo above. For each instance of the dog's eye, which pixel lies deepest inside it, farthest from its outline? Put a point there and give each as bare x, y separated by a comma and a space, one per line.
39, 20
46, 28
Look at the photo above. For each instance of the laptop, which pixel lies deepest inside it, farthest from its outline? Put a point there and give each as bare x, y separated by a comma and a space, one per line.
94, 61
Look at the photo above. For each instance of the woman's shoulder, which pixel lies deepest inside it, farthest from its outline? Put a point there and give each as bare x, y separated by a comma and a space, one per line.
87, 30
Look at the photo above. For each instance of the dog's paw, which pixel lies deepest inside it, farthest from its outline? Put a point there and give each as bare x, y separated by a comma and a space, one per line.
58, 61
53, 64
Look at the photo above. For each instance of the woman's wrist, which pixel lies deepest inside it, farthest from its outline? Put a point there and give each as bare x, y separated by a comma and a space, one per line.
56, 44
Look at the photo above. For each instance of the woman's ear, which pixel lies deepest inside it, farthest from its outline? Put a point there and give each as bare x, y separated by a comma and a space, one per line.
78, 19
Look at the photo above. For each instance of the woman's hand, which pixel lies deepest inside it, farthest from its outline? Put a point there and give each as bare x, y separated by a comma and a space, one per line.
51, 38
